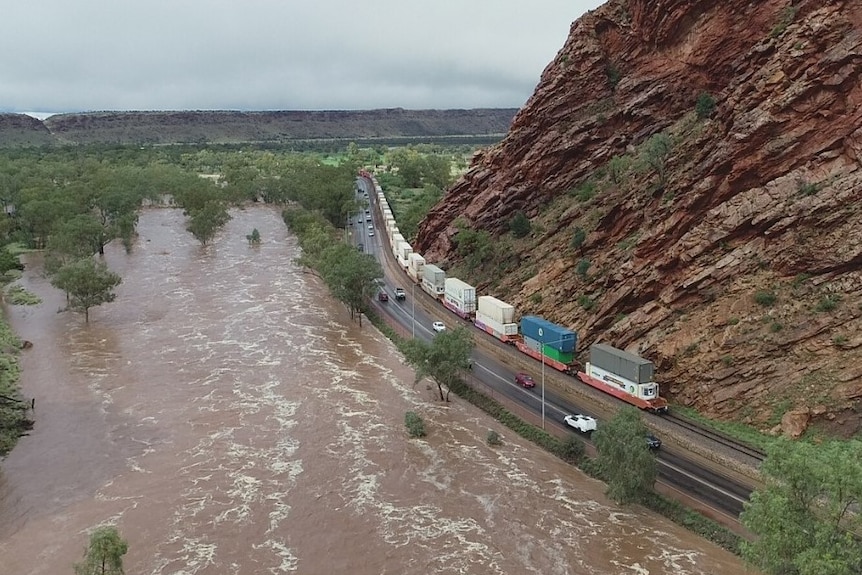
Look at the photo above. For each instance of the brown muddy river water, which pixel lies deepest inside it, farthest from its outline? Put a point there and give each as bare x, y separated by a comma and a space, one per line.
228, 417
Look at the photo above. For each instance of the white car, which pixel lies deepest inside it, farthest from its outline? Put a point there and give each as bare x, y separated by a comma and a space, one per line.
583, 423
438, 326
370, 233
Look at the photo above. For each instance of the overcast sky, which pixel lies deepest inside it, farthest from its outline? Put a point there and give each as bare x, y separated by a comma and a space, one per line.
84, 55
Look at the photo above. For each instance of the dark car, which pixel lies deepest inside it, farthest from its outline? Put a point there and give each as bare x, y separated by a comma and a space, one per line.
382, 296
525, 380
652, 441
360, 247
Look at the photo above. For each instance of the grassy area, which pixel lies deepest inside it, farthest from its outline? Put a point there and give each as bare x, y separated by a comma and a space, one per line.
13, 408
738, 431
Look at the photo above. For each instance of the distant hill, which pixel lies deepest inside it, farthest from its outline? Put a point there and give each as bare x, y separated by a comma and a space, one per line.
228, 127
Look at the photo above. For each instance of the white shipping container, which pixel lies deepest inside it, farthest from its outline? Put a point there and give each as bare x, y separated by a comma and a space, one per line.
404, 251
499, 311
435, 276
396, 239
416, 262
496, 326
461, 291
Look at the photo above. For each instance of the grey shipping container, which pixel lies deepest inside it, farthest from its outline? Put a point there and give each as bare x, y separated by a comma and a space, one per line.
533, 344
628, 365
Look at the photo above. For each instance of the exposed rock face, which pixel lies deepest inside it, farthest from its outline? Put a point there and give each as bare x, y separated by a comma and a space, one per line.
270, 127
734, 262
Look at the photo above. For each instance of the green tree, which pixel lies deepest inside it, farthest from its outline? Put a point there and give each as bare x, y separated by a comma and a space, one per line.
9, 261
805, 517
519, 224
351, 276
87, 283
253, 238
623, 458
656, 152
104, 554
444, 360
205, 222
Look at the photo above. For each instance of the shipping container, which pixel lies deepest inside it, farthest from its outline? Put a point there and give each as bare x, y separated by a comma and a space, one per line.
557, 355
404, 251
499, 311
502, 331
461, 291
532, 344
627, 365
396, 239
551, 334
435, 275
416, 262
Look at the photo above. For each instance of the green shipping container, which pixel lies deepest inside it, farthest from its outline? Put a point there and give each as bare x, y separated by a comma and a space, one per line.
562, 357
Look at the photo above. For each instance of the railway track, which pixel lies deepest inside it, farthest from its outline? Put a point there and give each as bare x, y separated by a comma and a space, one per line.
737, 447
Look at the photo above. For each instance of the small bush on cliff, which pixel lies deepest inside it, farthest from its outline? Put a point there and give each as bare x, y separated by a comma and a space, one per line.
785, 18
493, 438
578, 238
520, 225
614, 75
705, 105
765, 298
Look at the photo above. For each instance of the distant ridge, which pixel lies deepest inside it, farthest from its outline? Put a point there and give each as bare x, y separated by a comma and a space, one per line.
228, 127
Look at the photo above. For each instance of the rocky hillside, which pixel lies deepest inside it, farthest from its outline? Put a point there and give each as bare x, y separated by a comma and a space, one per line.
691, 171
225, 127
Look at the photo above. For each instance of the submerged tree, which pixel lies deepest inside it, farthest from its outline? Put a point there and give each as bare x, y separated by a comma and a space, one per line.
104, 554
205, 222
87, 283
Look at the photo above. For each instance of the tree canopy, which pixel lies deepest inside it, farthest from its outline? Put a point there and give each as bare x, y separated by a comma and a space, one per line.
88, 283
444, 360
623, 458
104, 553
807, 518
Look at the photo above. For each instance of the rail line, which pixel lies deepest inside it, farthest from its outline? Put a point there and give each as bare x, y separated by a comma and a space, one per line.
725, 440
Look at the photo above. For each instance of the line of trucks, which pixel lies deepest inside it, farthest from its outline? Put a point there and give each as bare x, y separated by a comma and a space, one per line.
614, 371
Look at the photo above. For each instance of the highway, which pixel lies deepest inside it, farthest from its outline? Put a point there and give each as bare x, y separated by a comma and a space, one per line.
495, 365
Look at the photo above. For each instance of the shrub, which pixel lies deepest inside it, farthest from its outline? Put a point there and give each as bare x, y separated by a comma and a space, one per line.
807, 188
493, 438
584, 192
582, 268
519, 225
765, 298
733, 321
775, 327
784, 20
578, 238
414, 423
828, 303
571, 450
727, 360
586, 302
705, 105
614, 75
536, 298
839, 340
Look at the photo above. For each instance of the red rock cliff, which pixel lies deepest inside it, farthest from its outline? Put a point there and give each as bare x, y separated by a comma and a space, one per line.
726, 246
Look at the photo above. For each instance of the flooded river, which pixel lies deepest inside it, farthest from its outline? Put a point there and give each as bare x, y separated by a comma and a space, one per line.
229, 418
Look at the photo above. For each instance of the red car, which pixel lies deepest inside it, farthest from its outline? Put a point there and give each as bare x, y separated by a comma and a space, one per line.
382, 296
524, 380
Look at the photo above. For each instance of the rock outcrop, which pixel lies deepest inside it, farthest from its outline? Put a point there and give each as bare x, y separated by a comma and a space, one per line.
709, 153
